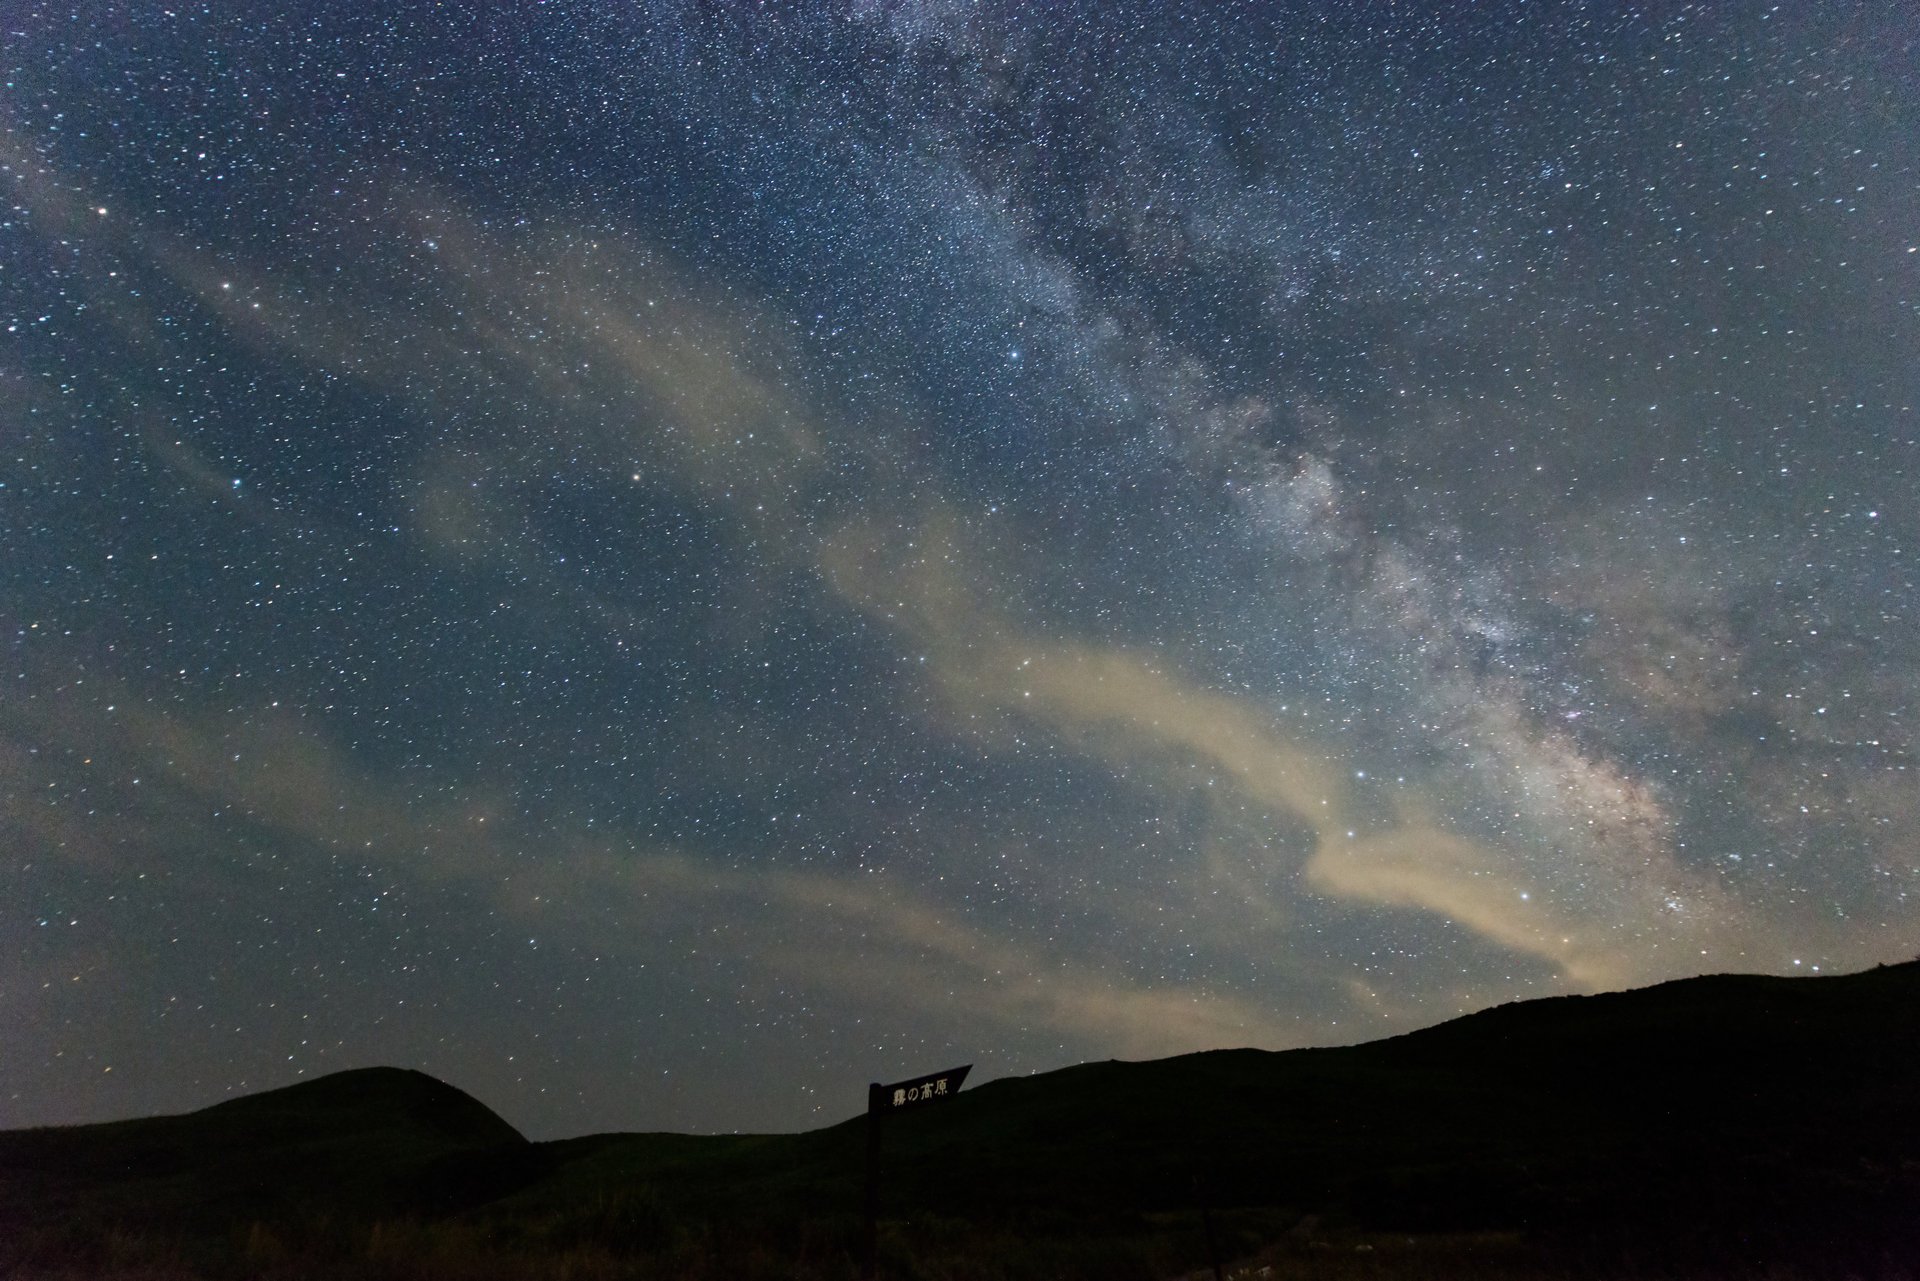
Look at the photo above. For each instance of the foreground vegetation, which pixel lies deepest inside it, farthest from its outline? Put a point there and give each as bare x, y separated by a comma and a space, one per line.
443, 1251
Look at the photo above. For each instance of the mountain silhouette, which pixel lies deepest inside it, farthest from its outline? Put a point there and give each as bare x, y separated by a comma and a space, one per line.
364, 1141
1709, 1126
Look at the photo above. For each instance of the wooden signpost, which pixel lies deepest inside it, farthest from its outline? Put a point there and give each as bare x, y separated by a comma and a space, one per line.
882, 1100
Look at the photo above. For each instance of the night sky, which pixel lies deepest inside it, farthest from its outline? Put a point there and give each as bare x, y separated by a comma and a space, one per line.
660, 563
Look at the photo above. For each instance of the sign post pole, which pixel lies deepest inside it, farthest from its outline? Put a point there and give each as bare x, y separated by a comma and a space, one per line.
1206, 1223
869, 1235
901, 1096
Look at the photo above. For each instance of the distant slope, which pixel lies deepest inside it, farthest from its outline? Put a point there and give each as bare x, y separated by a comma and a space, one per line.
1763, 1116
376, 1139
1720, 1124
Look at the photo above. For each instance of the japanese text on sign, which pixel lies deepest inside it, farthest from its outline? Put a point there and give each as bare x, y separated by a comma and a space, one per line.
921, 1089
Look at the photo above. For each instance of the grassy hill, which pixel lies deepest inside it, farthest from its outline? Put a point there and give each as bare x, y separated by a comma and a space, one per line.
1715, 1127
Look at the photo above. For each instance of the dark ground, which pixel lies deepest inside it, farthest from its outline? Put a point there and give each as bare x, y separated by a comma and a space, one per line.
1730, 1126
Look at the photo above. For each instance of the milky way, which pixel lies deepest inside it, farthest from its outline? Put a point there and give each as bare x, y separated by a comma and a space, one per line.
660, 565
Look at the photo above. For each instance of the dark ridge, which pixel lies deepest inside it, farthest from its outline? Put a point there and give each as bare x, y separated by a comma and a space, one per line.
362, 1140
369, 1099
1719, 1123
1712, 1127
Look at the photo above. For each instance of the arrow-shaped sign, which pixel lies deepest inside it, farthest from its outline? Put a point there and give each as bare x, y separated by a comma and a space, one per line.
918, 1092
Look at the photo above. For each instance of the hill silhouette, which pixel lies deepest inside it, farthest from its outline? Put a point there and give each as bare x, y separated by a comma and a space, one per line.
374, 1140
1719, 1126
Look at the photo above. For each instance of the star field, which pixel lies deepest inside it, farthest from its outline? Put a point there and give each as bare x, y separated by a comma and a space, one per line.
660, 563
